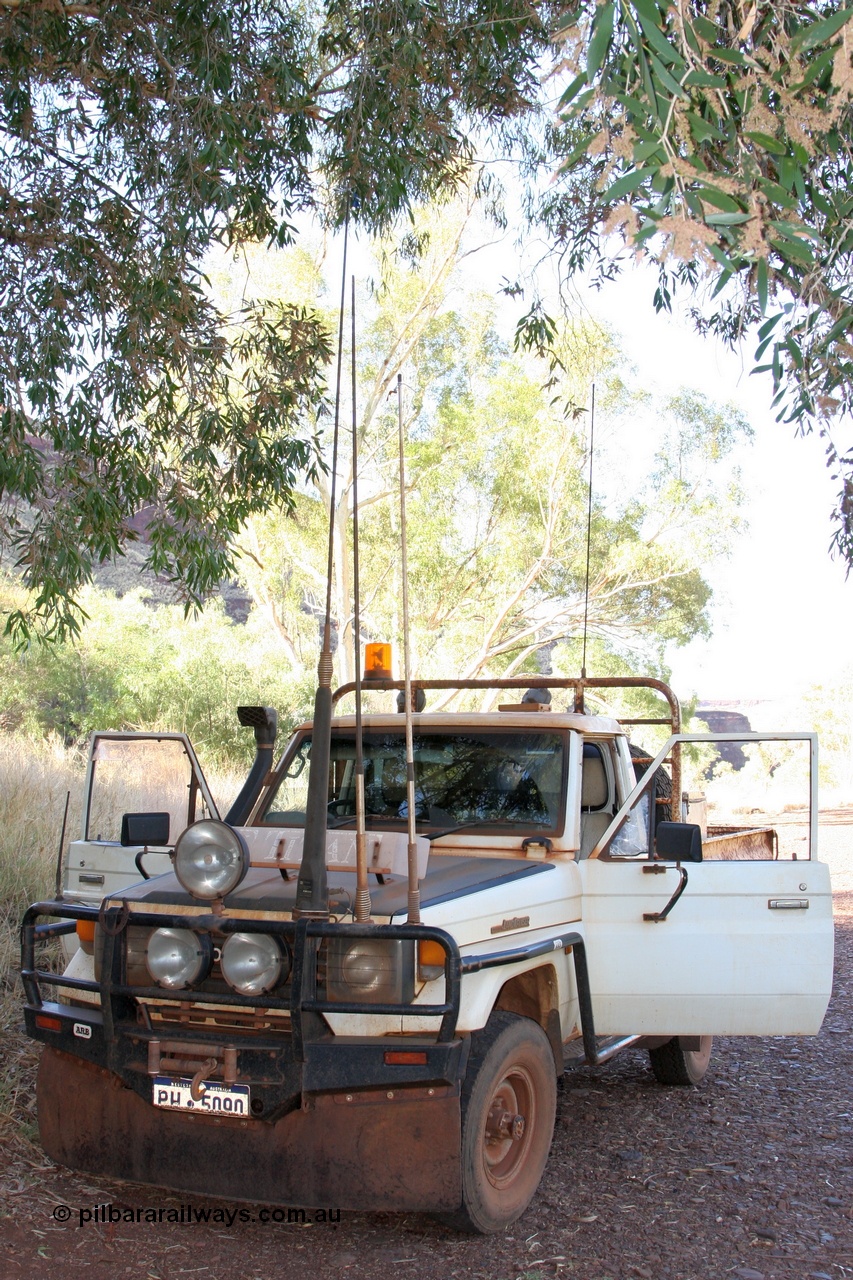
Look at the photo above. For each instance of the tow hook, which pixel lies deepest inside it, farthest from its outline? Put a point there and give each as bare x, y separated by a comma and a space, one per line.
207, 1067
178, 1058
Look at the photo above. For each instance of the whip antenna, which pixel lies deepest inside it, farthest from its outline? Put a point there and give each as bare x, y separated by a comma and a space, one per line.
362, 892
414, 916
312, 888
588, 532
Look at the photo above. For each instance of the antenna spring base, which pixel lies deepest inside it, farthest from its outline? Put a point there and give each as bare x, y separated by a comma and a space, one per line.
325, 669
362, 906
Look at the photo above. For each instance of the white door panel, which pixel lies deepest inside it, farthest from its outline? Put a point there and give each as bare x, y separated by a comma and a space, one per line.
724, 962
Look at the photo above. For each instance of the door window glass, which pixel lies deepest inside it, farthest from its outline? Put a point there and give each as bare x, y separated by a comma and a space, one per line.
142, 775
750, 804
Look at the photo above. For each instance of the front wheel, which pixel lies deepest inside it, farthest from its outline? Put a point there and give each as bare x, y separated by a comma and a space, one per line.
674, 1065
509, 1101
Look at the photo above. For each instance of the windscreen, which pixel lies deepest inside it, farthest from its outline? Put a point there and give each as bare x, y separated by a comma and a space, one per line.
510, 779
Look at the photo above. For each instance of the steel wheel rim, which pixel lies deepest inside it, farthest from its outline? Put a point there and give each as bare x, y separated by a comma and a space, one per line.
699, 1058
503, 1157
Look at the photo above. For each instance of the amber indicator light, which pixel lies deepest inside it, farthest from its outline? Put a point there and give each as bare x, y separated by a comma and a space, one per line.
48, 1024
431, 953
86, 930
405, 1057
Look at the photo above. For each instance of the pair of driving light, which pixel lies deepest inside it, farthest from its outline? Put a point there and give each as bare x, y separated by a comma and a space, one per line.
251, 963
211, 859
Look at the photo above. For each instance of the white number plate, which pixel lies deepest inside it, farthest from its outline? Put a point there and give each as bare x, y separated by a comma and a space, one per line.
218, 1099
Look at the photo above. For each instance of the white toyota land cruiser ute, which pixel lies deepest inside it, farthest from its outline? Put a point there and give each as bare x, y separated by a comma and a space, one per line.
210, 1037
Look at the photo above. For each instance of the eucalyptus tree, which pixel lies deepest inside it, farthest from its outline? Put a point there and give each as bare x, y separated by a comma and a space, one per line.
713, 137
133, 137
497, 474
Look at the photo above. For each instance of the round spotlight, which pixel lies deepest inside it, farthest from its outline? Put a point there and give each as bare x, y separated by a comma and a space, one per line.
176, 958
211, 859
253, 963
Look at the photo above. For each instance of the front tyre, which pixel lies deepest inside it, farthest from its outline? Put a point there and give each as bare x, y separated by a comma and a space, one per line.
509, 1100
674, 1065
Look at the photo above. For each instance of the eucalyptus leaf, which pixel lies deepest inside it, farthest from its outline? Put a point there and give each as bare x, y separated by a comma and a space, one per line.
767, 143
817, 32
761, 283
628, 182
602, 33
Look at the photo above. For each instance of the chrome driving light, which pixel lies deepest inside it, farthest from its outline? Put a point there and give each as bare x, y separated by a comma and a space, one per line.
371, 970
253, 963
176, 958
211, 859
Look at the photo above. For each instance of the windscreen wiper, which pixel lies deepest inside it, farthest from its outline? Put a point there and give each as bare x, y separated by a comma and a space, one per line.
427, 835
371, 817
461, 826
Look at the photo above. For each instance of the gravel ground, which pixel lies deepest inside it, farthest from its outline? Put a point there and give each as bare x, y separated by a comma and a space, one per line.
750, 1175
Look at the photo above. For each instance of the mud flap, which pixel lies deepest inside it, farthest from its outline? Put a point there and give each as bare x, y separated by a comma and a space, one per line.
348, 1151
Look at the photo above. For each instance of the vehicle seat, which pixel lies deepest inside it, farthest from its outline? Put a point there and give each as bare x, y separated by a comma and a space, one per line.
595, 808
394, 791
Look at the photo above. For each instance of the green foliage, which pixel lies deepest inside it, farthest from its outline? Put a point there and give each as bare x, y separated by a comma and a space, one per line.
716, 141
496, 464
133, 667
829, 711
135, 137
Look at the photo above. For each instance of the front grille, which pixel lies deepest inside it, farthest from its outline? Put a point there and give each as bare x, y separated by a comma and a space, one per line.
211, 1017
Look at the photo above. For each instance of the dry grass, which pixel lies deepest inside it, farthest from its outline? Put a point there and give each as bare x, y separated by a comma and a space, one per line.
35, 779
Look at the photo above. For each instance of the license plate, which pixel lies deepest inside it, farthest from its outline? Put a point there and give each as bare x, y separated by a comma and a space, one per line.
221, 1099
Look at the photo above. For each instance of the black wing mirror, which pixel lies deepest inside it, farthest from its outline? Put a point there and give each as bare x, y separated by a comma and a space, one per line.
678, 842
145, 828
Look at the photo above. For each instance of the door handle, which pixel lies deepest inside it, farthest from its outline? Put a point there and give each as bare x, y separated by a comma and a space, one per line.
787, 904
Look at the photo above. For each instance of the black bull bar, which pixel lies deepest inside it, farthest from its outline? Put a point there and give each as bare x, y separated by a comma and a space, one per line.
336, 1121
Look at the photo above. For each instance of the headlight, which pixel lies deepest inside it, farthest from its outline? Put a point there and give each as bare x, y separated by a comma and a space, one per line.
372, 970
136, 942
253, 963
177, 958
210, 859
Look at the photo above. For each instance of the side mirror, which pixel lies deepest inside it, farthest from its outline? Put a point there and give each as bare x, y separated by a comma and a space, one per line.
678, 842
145, 828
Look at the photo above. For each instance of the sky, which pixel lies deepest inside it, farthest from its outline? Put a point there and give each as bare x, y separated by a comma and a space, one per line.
782, 612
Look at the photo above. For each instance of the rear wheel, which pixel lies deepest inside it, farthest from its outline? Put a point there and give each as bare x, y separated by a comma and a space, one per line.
509, 1101
674, 1065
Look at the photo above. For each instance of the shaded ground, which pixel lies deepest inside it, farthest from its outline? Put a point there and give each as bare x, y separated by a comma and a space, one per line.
750, 1176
